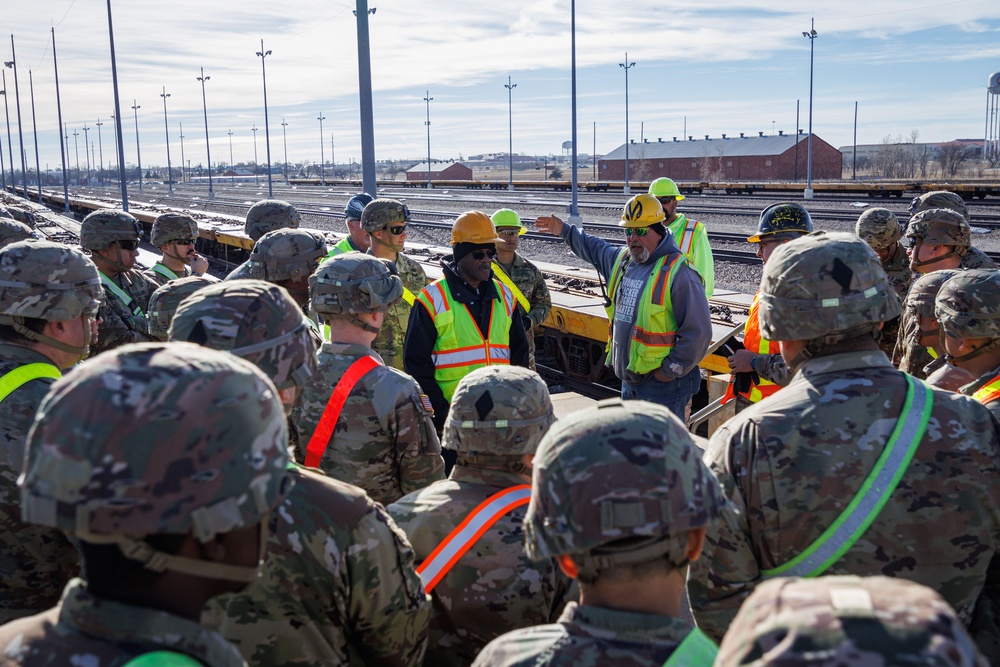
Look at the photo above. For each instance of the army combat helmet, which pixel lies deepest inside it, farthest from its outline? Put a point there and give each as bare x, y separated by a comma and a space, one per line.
102, 228
924, 291
619, 484
968, 306
387, 214
345, 286
48, 281
270, 214
879, 228
169, 227
939, 226
286, 254
940, 199
498, 412
252, 319
158, 439
824, 288
781, 222
164, 301
12, 231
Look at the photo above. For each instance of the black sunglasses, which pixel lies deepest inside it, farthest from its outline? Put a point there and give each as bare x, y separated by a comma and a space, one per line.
128, 245
481, 254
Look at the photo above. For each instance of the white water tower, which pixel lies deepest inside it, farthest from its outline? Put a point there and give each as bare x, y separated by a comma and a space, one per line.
991, 148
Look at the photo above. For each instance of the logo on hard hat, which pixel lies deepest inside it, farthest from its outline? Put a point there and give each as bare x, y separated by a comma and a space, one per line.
634, 210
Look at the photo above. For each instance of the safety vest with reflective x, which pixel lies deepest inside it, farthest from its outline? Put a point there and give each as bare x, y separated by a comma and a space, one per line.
22, 375
126, 300
460, 347
875, 492
989, 392
753, 341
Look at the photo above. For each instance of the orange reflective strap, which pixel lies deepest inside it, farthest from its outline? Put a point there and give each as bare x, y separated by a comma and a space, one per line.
989, 392
331, 413
460, 540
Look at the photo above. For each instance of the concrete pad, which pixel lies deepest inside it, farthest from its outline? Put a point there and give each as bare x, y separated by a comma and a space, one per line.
567, 402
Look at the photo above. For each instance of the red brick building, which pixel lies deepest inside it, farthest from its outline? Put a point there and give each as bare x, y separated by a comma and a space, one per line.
440, 171
760, 158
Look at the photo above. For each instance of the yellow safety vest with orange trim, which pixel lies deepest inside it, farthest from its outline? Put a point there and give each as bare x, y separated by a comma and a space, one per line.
460, 347
989, 392
753, 341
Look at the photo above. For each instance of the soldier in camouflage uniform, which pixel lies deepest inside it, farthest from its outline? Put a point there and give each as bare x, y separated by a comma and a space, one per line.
286, 257
880, 229
968, 309
918, 347
498, 416
621, 500
265, 216
12, 231
515, 271
385, 222
164, 301
791, 465
837, 621
379, 435
974, 258
49, 296
112, 237
175, 234
169, 504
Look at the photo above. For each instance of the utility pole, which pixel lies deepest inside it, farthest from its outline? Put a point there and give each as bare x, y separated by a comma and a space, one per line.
427, 99
62, 147
510, 131
182, 150
86, 142
284, 139
256, 178
166, 134
138, 153
100, 146
322, 173
811, 35
267, 132
232, 165
34, 130
122, 181
626, 66
208, 148
369, 184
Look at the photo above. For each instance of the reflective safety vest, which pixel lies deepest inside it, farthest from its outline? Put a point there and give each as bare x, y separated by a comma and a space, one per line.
697, 650
343, 246
655, 329
122, 296
989, 392
874, 493
164, 659
467, 533
460, 347
684, 234
408, 296
13, 380
164, 271
506, 280
752, 341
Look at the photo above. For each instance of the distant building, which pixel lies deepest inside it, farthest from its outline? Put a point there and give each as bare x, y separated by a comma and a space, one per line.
774, 158
440, 171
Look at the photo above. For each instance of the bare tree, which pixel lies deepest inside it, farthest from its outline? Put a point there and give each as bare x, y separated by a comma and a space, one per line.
952, 157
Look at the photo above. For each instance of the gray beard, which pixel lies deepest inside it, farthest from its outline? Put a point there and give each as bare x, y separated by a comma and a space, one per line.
639, 256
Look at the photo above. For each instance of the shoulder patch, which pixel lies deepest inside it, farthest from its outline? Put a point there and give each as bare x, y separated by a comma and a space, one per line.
426, 402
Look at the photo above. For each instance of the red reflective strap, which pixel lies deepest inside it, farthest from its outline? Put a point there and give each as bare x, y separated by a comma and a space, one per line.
331, 414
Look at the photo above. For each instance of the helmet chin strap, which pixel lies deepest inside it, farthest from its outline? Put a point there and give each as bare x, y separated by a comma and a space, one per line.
386, 244
935, 260
358, 322
17, 323
989, 347
172, 255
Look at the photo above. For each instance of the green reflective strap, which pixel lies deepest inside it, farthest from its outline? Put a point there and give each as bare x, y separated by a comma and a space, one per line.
164, 659
165, 272
15, 379
697, 650
874, 493
122, 296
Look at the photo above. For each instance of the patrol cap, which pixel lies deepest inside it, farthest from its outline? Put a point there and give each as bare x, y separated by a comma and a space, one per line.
501, 410
287, 254
879, 228
383, 212
940, 199
103, 227
169, 227
47, 281
12, 231
941, 226
924, 291
968, 304
846, 620
163, 302
270, 214
618, 484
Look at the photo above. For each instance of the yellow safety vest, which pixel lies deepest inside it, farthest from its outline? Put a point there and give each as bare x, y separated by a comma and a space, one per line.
989, 392
15, 379
684, 229
460, 347
655, 330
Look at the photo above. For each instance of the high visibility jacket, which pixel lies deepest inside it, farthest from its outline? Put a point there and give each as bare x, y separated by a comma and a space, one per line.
989, 392
655, 329
460, 347
752, 341
692, 238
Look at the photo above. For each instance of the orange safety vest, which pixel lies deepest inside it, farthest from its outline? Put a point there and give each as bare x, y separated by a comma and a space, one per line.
989, 392
752, 341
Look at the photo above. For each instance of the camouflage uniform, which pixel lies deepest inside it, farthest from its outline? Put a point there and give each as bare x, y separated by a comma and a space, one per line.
977, 259
530, 281
791, 464
263, 217
389, 342
164, 301
879, 228
12, 231
942, 199
909, 355
835, 621
494, 588
168, 227
338, 586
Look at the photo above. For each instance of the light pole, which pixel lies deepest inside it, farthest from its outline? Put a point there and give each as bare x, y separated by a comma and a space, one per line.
256, 178
574, 211
811, 36
181, 125
232, 167
138, 153
284, 139
166, 134
428, 99
369, 185
626, 66
267, 132
34, 131
100, 154
12, 63
86, 142
208, 150
510, 131
62, 147
10, 146
333, 159
76, 149
122, 181
322, 173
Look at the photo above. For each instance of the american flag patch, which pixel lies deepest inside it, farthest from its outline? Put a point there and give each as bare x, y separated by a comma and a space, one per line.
427, 403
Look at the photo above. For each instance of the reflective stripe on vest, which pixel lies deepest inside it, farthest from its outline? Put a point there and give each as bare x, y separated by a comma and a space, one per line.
331, 413
874, 493
164, 271
506, 280
408, 296
753, 341
989, 392
344, 245
122, 296
460, 540
20, 376
164, 659
684, 240
697, 650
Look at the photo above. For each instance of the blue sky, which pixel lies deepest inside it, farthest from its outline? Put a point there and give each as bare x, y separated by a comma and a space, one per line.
734, 67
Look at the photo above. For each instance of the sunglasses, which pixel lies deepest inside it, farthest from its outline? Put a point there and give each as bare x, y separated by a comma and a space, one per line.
128, 245
638, 231
185, 242
509, 233
482, 254
396, 230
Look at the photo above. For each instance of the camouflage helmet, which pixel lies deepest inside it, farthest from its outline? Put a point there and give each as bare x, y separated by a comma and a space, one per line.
499, 410
164, 301
12, 231
383, 212
824, 287
352, 283
47, 281
879, 228
169, 227
846, 620
940, 226
287, 254
782, 222
940, 199
968, 304
254, 320
924, 291
102, 228
619, 484
5, 214
270, 214
157, 439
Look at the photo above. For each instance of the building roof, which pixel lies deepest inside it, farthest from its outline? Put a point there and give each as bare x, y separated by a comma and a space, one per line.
435, 166
714, 147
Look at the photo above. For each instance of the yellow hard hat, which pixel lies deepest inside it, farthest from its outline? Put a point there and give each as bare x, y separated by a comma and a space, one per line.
506, 217
642, 211
665, 187
474, 227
